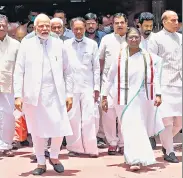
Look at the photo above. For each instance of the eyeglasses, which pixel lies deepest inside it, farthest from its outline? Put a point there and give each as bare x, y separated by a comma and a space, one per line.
133, 37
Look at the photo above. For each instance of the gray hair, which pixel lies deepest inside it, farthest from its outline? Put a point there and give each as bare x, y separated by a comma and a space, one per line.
3, 17
57, 20
81, 19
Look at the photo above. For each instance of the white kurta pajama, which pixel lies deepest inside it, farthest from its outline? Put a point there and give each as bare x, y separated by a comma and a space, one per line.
84, 60
169, 46
8, 51
109, 52
153, 123
137, 148
44, 105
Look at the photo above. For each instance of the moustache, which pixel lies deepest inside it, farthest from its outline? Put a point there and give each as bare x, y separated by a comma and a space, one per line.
147, 32
91, 28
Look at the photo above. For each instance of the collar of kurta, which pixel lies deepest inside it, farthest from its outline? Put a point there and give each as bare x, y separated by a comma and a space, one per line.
83, 41
167, 32
119, 37
42, 41
5, 40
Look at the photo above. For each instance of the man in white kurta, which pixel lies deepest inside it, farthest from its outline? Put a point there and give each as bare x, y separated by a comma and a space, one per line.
168, 44
84, 60
146, 24
109, 52
42, 81
8, 51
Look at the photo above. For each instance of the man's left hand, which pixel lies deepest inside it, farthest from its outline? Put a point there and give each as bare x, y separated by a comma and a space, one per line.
158, 101
69, 101
96, 95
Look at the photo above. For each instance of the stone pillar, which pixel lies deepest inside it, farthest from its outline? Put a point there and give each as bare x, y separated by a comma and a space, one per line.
158, 7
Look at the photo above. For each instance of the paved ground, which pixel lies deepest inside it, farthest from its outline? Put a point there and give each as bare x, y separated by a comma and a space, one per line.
103, 167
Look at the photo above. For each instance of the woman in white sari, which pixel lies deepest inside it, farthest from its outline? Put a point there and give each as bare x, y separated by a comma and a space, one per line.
130, 75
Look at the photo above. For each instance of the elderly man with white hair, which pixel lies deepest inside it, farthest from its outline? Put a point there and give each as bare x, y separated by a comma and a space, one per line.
168, 44
57, 27
43, 91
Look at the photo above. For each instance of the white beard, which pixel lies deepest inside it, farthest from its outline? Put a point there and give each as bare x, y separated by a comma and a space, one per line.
44, 37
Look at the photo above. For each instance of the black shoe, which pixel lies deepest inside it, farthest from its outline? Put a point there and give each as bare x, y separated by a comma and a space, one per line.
16, 145
47, 153
24, 143
101, 143
164, 150
153, 142
57, 167
33, 158
39, 171
171, 158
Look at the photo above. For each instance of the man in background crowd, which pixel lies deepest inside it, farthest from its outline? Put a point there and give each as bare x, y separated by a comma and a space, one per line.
61, 14
20, 33
12, 27
146, 24
92, 31
30, 27
32, 15
57, 27
107, 22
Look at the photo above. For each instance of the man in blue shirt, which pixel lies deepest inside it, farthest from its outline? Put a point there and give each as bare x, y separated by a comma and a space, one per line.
92, 31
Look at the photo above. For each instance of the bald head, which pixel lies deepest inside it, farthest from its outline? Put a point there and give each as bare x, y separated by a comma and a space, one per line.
42, 26
170, 21
21, 32
167, 14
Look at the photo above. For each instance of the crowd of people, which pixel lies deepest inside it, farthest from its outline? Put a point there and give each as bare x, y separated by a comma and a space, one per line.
99, 84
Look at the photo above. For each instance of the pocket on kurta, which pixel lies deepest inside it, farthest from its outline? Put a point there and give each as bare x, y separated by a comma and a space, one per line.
8, 66
87, 57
